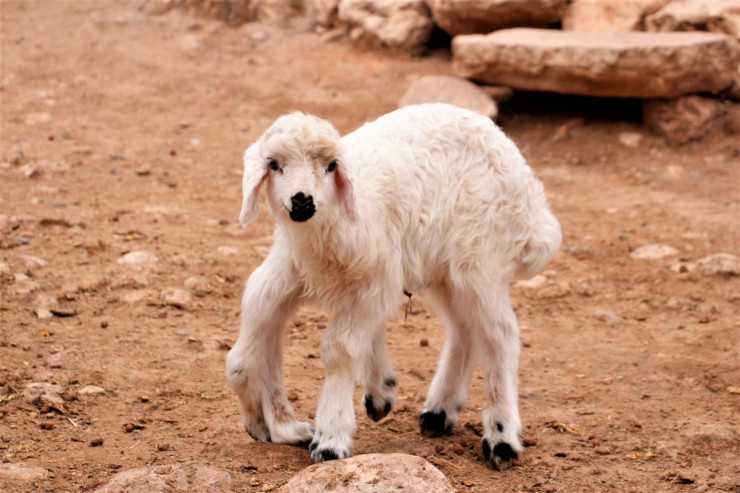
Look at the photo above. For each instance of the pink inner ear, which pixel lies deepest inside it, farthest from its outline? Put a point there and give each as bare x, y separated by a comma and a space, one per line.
345, 191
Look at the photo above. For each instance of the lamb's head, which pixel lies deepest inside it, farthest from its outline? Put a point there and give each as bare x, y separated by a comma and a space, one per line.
299, 159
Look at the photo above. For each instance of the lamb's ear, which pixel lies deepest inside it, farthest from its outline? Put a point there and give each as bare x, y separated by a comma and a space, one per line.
345, 190
255, 171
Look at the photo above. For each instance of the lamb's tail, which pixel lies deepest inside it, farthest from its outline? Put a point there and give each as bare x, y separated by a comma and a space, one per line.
542, 246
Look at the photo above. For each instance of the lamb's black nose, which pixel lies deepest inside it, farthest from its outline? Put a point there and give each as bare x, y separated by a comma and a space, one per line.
300, 200
302, 207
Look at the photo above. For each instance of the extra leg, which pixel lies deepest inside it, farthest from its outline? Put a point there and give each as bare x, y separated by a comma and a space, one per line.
448, 391
254, 364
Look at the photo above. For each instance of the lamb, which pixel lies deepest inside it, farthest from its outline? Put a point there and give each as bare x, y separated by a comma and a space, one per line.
428, 199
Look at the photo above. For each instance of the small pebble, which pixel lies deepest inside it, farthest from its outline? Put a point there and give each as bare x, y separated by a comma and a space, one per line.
457, 448
424, 342
96, 442
439, 448
46, 426
163, 447
104, 324
529, 442
128, 428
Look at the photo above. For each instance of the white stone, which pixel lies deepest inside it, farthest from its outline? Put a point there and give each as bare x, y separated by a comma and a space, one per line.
608, 317
38, 118
371, 473
177, 297
630, 139
227, 250
43, 313
632, 64
452, 90
719, 263
32, 263
91, 390
191, 476
138, 257
134, 297
22, 472
43, 392
653, 252
198, 285
394, 24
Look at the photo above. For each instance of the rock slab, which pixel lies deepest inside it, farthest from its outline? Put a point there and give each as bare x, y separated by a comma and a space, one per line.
631, 64
483, 16
371, 473
451, 90
191, 476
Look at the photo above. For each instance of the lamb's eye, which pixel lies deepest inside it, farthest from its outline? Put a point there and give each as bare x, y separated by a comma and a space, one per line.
273, 164
332, 166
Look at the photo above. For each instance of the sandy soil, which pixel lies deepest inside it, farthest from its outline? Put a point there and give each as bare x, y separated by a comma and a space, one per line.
123, 130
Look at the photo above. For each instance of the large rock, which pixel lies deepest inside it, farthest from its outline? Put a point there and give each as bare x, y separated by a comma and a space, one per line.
683, 119
451, 90
609, 15
192, 476
719, 16
483, 16
372, 473
634, 64
394, 24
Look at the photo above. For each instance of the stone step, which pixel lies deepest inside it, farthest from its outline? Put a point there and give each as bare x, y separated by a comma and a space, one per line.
625, 64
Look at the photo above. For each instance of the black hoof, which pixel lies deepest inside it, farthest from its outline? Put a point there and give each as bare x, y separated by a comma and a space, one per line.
328, 454
500, 454
376, 414
324, 455
434, 424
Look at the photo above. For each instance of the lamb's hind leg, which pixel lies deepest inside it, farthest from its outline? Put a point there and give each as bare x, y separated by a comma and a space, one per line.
497, 334
448, 391
378, 379
254, 364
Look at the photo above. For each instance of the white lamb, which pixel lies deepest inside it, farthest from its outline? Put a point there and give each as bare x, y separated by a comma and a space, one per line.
429, 199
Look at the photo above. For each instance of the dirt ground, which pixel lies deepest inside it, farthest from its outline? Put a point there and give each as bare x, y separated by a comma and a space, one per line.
123, 131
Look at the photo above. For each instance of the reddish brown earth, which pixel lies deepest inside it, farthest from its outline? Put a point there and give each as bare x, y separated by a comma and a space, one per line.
123, 130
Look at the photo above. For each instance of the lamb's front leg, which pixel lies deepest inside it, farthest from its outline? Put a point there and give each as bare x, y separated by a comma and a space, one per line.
254, 364
345, 349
